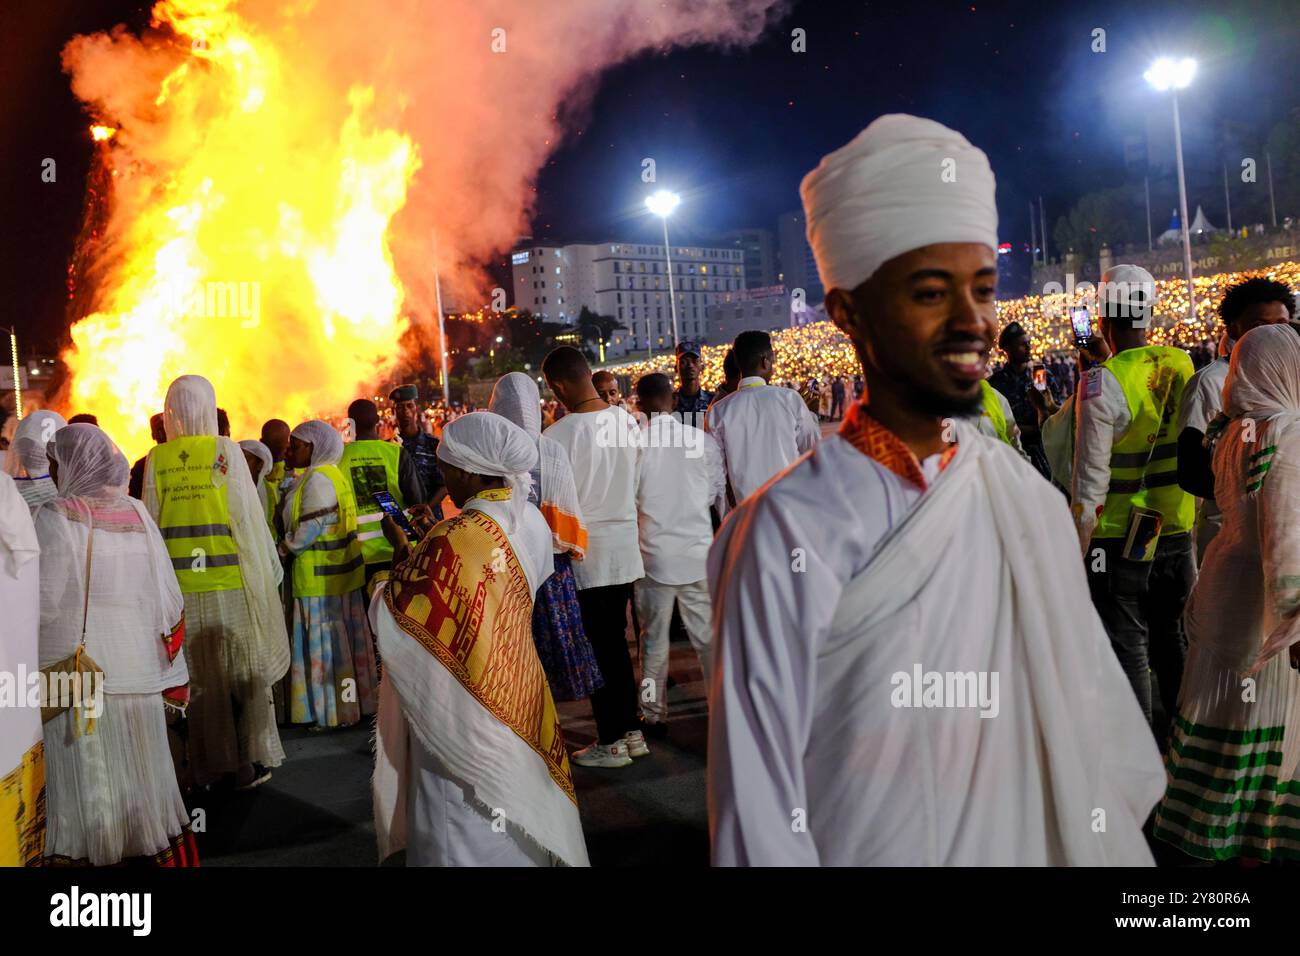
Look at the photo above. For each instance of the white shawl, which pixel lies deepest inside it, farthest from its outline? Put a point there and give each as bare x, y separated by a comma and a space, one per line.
1096, 749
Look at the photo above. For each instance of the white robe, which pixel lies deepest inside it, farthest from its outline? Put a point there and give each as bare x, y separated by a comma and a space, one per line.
840, 576
20, 599
761, 429
430, 744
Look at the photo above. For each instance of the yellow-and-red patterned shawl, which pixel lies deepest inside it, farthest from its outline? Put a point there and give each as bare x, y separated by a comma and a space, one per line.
463, 595
22, 810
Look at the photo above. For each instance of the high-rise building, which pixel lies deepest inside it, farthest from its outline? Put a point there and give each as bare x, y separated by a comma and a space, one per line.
798, 267
628, 282
759, 249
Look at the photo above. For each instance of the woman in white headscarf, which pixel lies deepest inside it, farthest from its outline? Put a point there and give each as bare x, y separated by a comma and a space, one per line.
237, 647
332, 677
260, 462
470, 763
565, 652
1232, 761
30, 437
111, 792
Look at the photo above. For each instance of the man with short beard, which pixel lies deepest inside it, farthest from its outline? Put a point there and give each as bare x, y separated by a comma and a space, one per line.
422, 447
690, 401
907, 545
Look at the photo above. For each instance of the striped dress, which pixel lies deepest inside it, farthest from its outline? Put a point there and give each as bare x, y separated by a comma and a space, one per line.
1232, 763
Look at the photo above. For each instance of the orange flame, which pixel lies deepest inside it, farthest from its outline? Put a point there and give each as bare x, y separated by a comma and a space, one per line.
272, 220
101, 133
254, 253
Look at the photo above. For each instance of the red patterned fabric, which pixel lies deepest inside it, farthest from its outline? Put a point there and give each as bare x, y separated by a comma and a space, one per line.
880, 444
180, 696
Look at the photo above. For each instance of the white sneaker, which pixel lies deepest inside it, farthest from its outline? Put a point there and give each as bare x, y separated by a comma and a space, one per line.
636, 745
596, 754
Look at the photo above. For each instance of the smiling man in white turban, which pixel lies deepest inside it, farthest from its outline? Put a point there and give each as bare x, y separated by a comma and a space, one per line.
470, 765
909, 670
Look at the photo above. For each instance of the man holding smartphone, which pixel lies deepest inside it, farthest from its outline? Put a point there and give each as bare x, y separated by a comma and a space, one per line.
1015, 380
372, 465
1133, 519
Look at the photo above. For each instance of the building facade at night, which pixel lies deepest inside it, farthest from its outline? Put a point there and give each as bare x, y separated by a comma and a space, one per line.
798, 267
628, 282
759, 249
768, 309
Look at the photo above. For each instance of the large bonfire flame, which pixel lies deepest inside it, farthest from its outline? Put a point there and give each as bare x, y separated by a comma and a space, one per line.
253, 161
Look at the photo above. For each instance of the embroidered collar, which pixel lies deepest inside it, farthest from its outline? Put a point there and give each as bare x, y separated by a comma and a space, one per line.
492, 494
752, 381
884, 447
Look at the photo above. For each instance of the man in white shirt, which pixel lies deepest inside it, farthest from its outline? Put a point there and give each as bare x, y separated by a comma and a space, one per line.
907, 668
760, 428
1125, 490
1248, 304
681, 476
604, 448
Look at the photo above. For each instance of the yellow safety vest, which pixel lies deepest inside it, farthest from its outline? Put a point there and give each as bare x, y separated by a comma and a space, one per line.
370, 466
332, 564
1144, 462
194, 514
993, 412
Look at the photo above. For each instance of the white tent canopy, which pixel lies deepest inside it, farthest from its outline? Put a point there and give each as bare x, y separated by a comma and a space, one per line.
1175, 233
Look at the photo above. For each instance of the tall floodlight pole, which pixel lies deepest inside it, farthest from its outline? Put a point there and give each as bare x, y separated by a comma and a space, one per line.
1033, 234
1272, 204
1146, 190
1168, 75
442, 331
1042, 227
1227, 199
662, 205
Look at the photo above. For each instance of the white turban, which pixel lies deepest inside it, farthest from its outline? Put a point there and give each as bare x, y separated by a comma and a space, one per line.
326, 443
484, 443
31, 437
891, 190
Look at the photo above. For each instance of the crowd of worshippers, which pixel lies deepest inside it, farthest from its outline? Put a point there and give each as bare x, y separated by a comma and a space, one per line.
960, 629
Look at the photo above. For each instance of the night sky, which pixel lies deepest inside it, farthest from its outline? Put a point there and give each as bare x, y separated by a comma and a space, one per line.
735, 131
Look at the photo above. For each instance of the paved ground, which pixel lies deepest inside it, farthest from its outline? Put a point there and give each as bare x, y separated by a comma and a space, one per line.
316, 811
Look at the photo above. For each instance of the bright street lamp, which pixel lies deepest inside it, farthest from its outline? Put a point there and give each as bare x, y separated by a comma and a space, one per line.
1170, 75
662, 205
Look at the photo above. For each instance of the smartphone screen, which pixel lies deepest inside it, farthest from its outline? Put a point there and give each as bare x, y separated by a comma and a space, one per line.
1081, 322
386, 502
1040, 378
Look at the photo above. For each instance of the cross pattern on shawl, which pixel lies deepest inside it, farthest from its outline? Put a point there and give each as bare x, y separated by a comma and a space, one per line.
479, 626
